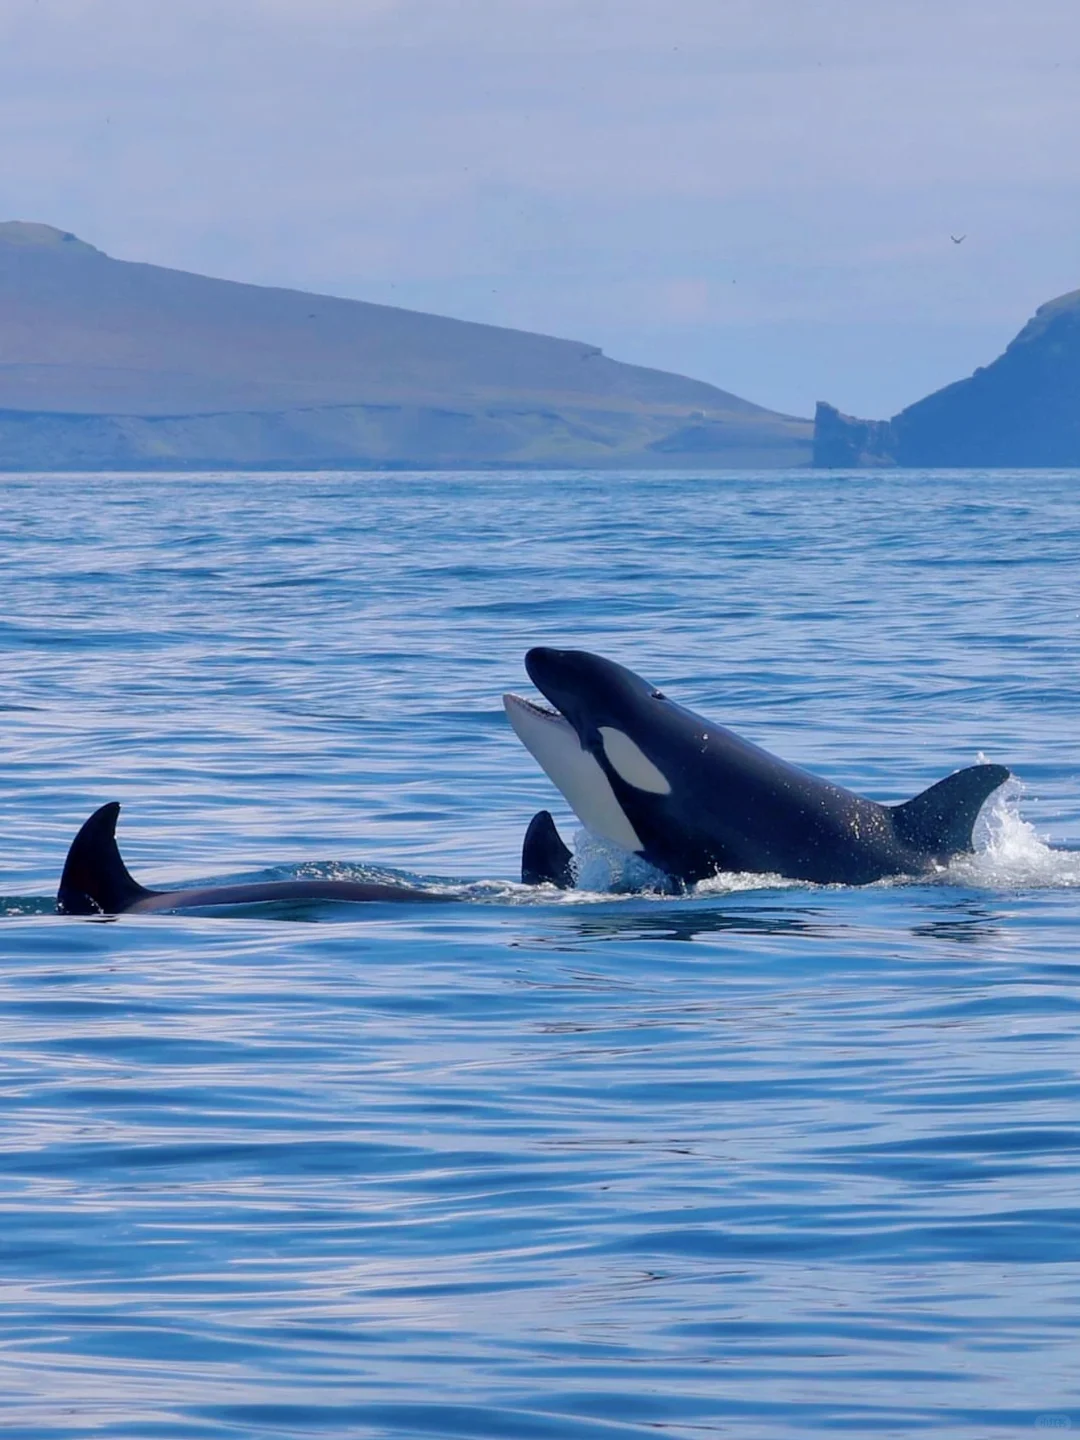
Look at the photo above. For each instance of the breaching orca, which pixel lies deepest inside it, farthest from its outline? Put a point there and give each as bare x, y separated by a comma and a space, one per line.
96, 882
693, 798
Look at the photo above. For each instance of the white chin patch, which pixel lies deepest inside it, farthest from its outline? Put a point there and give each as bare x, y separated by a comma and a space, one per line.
553, 742
631, 763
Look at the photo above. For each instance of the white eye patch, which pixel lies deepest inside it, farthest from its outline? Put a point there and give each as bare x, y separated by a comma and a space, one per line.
631, 763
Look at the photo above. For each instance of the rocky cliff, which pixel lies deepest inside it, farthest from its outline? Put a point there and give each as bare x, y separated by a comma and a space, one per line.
1021, 411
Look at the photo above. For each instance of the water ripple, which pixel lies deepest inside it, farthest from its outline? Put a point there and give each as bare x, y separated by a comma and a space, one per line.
765, 1160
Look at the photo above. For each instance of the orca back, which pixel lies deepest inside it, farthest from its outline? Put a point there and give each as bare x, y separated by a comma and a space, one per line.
545, 860
95, 879
939, 822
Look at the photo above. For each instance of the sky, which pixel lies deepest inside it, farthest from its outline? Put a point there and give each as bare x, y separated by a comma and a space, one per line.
758, 193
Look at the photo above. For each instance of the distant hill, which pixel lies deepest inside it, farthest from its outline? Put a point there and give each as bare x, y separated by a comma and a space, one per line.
1021, 411
110, 364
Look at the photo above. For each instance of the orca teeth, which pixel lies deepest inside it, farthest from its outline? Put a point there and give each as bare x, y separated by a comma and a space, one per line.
546, 712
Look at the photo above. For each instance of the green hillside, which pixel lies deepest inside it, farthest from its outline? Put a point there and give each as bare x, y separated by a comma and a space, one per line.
111, 364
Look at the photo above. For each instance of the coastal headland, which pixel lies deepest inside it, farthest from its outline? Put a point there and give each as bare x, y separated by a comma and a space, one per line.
111, 365
1022, 411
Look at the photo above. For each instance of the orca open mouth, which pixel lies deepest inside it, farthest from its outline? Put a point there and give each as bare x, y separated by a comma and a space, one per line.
537, 707
556, 746
536, 723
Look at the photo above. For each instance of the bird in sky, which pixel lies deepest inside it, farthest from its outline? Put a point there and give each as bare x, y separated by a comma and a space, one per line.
958, 239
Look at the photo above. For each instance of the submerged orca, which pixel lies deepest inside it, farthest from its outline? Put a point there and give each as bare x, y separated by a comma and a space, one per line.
545, 860
96, 882
692, 798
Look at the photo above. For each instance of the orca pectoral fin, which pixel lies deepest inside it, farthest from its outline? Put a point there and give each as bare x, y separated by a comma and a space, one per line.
95, 880
545, 860
939, 822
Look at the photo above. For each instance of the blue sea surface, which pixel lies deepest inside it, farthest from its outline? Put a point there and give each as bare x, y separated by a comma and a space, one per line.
766, 1160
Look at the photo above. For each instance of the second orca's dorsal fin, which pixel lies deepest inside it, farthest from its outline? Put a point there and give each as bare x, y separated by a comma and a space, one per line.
545, 860
938, 823
95, 879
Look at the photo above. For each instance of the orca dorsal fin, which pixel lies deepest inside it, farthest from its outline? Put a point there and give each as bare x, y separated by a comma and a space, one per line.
95, 880
545, 860
939, 822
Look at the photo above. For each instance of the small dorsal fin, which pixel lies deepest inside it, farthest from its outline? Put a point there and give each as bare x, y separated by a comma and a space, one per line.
545, 860
939, 822
95, 880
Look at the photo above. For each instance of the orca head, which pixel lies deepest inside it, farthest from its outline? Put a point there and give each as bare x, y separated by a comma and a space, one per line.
599, 742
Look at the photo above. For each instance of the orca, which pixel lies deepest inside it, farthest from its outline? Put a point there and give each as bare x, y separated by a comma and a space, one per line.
95, 881
545, 860
694, 799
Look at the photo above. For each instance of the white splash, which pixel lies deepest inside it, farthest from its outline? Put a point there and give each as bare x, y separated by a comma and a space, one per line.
730, 882
1009, 852
605, 868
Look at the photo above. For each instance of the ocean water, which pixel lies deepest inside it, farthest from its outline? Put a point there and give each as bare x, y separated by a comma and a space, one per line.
763, 1161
